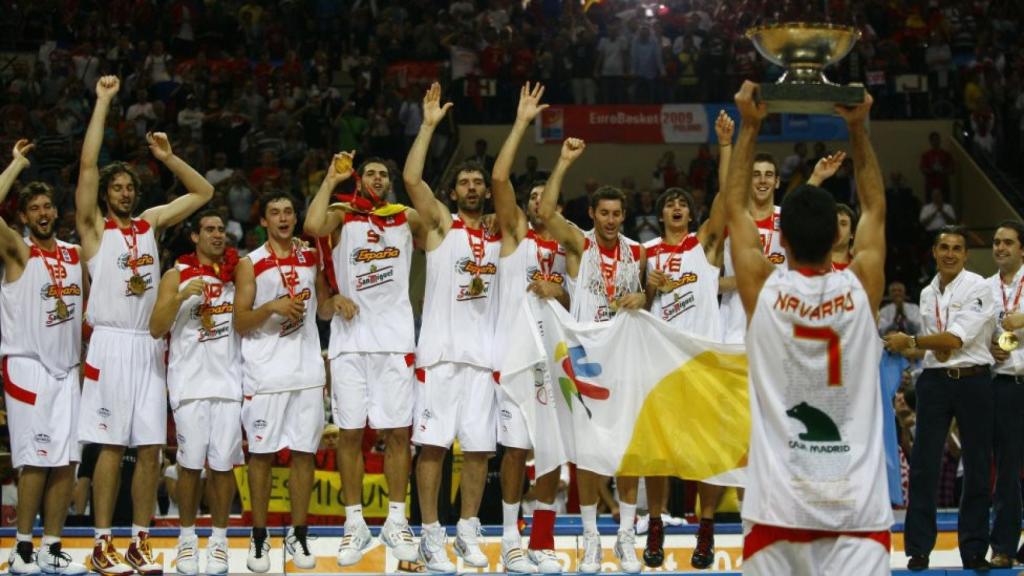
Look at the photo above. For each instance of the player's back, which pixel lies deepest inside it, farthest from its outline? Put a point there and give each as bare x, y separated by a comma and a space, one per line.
816, 454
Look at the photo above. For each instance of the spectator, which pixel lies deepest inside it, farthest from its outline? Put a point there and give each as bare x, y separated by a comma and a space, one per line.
899, 315
936, 165
611, 66
646, 222
523, 182
646, 66
220, 171
480, 155
936, 213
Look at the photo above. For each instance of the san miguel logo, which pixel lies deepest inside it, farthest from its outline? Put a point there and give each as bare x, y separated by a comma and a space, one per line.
572, 384
777, 258
366, 255
470, 267
50, 290
143, 260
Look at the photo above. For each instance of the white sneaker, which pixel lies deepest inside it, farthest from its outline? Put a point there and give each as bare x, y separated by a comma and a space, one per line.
259, 558
23, 559
514, 558
186, 561
643, 523
432, 550
625, 551
216, 557
467, 543
546, 561
591, 562
670, 520
356, 540
52, 560
298, 549
397, 536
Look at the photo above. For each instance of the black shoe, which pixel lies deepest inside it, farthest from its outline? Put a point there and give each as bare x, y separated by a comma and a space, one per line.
917, 563
978, 564
704, 553
654, 552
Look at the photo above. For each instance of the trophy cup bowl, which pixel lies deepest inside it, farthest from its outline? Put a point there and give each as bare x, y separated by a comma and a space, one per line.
804, 49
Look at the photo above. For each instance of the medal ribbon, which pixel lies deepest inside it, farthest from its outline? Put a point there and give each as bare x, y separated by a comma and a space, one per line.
1016, 299
938, 319
133, 248
476, 249
277, 264
545, 263
55, 278
609, 271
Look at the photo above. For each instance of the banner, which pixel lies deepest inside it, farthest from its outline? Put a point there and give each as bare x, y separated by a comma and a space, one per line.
326, 498
674, 124
632, 396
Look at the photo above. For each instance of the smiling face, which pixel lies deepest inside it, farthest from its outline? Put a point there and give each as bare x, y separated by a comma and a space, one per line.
40, 216
1006, 249
279, 219
608, 216
950, 252
470, 191
210, 237
376, 179
764, 183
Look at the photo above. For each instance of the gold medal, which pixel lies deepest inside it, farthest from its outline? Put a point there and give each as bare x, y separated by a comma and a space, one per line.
1008, 341
63, 312
343, 163
206, 319
613, 304
476, 286
136, 285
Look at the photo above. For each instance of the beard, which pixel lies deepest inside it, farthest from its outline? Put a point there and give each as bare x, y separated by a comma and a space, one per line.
40, 233
470, 206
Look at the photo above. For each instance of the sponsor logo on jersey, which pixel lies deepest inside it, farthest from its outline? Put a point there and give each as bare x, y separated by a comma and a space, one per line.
789, 304
575, 369
124, 263
289, 326
680, 303
372, 236
259, 425
42, 438
50, 290
822, 436
777, 258
375, 277
686, 278
534, 274
468, 266
367, 255
103, 413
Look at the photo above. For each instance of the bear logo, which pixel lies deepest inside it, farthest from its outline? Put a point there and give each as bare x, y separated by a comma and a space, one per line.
820, 428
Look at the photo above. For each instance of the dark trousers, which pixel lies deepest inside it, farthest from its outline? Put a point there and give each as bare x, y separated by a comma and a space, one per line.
1007, 446
940, 398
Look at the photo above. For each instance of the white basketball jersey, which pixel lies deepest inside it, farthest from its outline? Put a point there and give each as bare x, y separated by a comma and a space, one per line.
533, 259
690, 301
33, 327
204, 364
283, 355
458, 325
371, 267
733, 317
816, 450
124, 253
590, 302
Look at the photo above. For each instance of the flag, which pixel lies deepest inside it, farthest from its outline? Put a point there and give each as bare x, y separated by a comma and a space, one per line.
632, 396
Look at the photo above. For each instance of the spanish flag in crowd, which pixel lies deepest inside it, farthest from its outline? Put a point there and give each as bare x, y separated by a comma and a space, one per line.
632, 396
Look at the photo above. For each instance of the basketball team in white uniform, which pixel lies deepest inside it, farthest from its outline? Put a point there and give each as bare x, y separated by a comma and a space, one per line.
243, 347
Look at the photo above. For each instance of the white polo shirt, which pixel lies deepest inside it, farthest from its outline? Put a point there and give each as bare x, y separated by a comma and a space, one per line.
965, 308
887, 319
1008, 298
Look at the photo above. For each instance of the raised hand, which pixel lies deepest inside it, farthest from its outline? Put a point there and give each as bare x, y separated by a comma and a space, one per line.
529, 102
827, 167
433, 111
856, 114
724, 128
341, 168
750, 109
572, 148
107, 87
159, 146
21, 149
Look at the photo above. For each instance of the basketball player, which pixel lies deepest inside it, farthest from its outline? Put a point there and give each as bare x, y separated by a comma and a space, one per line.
276, 298
372, 346
846, 220
204, 381
605, 270
124, 402
816, 450
531, 261
682, 289
455, 396
41, 298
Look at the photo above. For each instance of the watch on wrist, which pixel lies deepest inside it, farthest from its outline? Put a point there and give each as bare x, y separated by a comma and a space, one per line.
913, 343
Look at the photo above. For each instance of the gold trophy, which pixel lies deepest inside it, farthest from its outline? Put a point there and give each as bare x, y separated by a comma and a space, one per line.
804, 49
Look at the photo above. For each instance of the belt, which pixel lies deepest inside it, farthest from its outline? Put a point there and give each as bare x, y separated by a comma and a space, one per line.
965, 371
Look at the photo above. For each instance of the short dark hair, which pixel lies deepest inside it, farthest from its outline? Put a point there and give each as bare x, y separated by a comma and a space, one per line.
766, 157
953, 229
808, 222
194, 222
844, 209
608, 193
372, 160
468, 166
672, 194
273, 196
111, 170
30, 191
1014, 225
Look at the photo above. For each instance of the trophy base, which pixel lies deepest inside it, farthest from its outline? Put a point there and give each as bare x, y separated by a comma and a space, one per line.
796, 98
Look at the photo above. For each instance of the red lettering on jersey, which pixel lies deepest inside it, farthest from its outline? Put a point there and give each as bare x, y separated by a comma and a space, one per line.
372, 237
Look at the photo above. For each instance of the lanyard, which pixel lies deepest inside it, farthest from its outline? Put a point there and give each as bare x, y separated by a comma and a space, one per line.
56, 272
476, 249
1016, 299
938, 319
609, 271
545, 263
277, 264
133, 248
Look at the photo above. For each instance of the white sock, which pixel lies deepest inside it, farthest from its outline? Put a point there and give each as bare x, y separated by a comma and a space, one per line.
47, 540
510, 520
354, 513
187, 532
23, 537
396, 511
589, 516
545, 506
433, 528
627, 516
135, 531
101, 533
219, 534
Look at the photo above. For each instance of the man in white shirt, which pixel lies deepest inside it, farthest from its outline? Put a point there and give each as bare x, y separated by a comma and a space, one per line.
899, 315
959, 317
1007, 391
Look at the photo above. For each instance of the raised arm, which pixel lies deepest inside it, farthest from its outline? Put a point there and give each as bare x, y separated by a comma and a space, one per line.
711, 233
752, 268
869, 241
567, 234
826, 168
13, 249
510, 217
199, 189
320, 221
433, 213
88, 218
